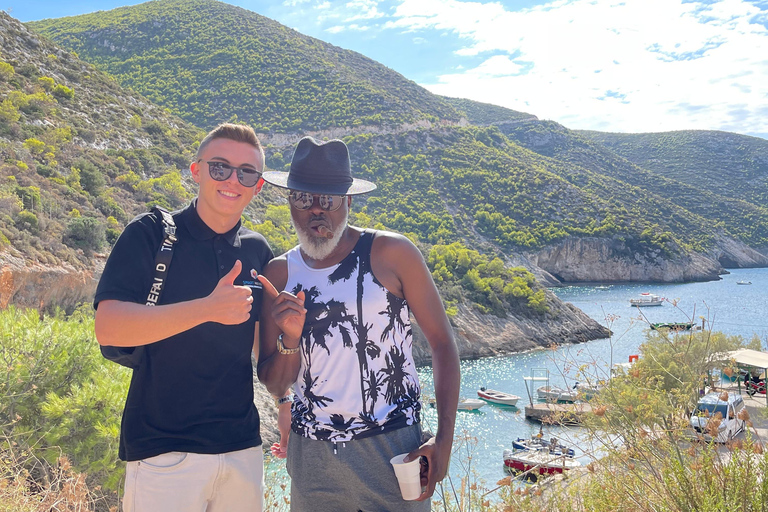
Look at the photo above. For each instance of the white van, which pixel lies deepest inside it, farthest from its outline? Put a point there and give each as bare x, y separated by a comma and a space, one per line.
711, 406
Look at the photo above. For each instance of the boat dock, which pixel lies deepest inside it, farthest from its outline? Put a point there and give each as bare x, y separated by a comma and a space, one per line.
558, 413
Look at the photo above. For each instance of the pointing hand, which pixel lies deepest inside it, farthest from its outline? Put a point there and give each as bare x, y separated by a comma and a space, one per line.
287, 309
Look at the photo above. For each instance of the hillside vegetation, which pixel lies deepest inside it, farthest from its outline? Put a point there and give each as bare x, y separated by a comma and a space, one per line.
210, 62
729, 195
79, 156
79, 165
509, 184
482, 114
729, 164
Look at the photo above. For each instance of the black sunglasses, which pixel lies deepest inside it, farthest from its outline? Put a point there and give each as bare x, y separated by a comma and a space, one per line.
220, 171
305, 200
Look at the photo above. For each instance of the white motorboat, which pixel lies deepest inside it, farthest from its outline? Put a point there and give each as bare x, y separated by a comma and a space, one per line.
556, 394
470, 404
497, 397
646, 299
542, 462
538, 443
743, 282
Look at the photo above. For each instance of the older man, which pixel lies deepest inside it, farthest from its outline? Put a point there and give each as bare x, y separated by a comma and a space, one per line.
340, 334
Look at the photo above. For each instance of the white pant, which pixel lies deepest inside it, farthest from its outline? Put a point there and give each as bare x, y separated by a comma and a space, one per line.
194, 482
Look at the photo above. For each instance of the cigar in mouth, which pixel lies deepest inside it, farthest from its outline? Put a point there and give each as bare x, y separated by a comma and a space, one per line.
324, 231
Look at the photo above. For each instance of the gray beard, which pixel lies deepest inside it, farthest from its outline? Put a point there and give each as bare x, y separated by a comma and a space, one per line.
319, 248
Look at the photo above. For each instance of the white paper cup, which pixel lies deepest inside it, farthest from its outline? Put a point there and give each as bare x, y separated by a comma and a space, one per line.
408, 476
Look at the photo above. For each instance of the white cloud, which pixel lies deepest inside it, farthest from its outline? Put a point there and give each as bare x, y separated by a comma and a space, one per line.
363, 10
294, 3
620, 65
353, 27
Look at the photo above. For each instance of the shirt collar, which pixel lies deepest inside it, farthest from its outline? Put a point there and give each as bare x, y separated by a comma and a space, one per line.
200, 230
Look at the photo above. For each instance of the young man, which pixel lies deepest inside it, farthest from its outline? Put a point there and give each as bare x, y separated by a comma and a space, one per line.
339, 332
190, 430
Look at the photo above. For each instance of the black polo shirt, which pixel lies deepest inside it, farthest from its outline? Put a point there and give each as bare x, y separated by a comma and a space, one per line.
192, 392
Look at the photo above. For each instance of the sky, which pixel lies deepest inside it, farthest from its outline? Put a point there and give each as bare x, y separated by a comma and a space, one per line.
609, 65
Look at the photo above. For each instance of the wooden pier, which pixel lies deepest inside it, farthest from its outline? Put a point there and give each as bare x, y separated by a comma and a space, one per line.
558, 413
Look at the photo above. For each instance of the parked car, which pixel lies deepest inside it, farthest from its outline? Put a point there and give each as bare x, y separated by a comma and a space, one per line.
712, 406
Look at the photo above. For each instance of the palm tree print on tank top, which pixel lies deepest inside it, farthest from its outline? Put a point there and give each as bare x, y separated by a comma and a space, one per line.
357, 375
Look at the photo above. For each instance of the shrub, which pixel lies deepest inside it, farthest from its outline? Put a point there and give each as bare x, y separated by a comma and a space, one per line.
6, 71
112, 235
62, 91
91, 178
47, 83
57, 394
8, 112
34, 146
27, 221
86, 233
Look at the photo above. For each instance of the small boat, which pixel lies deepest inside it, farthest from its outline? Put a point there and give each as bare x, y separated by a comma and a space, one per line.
556, 394
586, 390
538, 443
743, 282
497, 397
541, 462
470, 404
646, 299
672, 326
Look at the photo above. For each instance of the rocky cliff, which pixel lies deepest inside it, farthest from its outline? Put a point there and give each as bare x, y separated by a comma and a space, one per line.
478, 335
612, 260
28, 284
735, 254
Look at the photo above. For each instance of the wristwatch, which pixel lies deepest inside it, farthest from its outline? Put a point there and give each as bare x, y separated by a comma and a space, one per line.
283, 400
282, 349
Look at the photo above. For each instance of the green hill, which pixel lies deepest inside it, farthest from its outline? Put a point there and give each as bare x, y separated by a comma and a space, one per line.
509, 184
728, 164
712, 196
482, 114
210, 62
80, 156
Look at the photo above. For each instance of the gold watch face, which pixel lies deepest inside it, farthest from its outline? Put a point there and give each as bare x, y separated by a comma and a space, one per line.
282, 349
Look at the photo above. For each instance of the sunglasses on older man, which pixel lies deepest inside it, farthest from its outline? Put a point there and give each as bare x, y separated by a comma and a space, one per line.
220, 171
305, 200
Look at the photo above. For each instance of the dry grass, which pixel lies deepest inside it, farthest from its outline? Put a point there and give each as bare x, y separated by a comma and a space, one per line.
29, 484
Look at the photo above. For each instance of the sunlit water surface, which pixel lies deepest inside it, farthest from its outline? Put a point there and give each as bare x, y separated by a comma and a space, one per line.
725, 306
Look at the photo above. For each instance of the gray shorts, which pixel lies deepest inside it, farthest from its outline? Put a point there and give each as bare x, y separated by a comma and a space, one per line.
352, 476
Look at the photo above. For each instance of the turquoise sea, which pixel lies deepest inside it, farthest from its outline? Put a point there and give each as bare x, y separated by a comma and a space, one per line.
723, 306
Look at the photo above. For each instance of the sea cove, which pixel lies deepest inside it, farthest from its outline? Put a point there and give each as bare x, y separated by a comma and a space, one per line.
726, 306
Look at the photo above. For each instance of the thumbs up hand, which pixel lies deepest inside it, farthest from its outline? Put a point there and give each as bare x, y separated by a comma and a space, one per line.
229, 304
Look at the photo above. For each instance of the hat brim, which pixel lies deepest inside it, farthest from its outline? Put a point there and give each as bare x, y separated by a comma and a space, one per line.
283, 180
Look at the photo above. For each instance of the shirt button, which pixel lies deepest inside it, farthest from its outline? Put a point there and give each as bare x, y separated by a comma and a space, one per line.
219, 251
221, 267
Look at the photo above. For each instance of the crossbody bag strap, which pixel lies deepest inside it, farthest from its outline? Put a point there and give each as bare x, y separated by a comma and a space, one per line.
164, 255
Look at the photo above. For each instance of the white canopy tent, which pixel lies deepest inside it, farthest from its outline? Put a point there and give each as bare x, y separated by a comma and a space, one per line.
749, 357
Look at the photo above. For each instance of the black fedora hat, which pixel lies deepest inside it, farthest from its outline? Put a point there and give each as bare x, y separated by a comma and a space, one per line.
320, 168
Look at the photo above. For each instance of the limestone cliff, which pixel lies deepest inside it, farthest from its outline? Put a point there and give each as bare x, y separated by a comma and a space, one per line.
735, 254
612, 260
478, 335
28, 284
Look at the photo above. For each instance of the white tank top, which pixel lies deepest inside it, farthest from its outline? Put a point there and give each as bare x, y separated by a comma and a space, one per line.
357, 376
